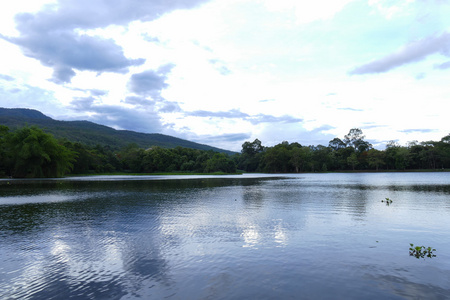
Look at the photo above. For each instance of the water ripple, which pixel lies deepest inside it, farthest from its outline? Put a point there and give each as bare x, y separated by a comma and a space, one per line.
309, 235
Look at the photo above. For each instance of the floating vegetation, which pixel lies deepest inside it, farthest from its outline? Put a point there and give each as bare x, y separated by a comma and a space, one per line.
421, 251
388, 201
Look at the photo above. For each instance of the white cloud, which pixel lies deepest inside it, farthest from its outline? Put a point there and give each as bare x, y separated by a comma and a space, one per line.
232, 56
391, 9
307, 11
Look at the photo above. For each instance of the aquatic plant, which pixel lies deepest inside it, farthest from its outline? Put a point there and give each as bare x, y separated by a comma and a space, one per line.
388, 201
421, 251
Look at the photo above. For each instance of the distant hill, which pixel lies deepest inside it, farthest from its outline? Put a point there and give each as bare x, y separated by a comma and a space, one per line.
92, 134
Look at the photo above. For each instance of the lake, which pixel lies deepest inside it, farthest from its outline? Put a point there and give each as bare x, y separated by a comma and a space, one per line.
254, 236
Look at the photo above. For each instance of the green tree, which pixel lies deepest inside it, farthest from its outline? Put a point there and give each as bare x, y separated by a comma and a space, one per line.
402, 158
415, 150
252, 148
375, 158
390, 153
84, 162
220, 163
158, 159
355, 139
251, 156
300, 157
321, 156
443, 151
336, 144
352, 160
446, 139
276, 159
34, 153
340, 156
4, 131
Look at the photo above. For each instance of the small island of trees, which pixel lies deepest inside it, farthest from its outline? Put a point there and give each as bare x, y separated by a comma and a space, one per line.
29, 152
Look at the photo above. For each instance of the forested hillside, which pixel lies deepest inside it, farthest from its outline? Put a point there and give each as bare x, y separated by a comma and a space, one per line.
91, 134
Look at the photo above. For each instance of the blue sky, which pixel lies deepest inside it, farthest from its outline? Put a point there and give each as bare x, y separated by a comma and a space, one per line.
223, 72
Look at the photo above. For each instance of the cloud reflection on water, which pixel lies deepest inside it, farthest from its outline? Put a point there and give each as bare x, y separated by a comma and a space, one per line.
196, 238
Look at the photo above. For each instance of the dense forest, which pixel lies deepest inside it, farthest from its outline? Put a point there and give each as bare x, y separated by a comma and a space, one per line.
29, 152
350, 153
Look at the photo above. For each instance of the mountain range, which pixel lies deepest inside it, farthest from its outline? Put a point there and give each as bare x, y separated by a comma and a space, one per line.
92, 134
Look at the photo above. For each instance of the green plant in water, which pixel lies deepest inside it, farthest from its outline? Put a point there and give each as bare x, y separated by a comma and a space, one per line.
421, 251
388, 201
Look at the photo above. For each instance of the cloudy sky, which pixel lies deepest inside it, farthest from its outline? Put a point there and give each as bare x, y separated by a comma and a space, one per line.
222, 72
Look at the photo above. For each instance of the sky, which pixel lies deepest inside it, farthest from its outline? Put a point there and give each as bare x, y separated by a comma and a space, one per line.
222, 72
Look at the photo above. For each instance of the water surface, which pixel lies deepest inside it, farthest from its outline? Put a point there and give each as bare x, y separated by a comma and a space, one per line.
307, 236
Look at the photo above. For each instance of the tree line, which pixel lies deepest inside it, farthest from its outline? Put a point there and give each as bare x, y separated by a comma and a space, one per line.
351, 153
29, 152
32, 153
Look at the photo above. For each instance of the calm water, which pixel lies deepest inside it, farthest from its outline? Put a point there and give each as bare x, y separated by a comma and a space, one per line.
309, 236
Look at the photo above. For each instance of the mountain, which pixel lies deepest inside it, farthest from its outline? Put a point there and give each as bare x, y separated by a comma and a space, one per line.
92, 134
